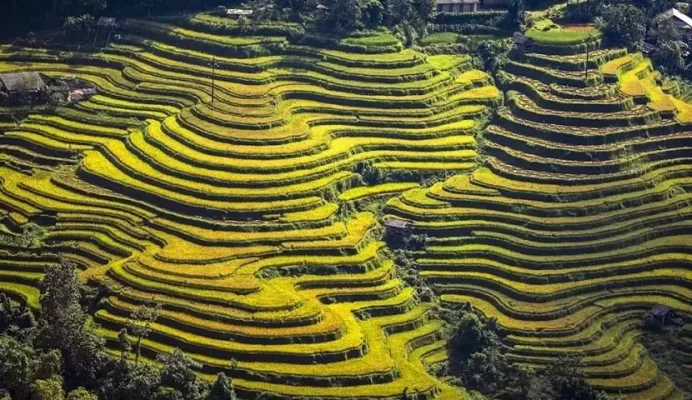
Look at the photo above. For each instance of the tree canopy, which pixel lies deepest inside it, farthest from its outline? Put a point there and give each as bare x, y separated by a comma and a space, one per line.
57, 356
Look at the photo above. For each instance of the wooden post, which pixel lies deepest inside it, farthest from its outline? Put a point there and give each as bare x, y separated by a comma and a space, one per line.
96, 36
108, 39
586, 66
213, 66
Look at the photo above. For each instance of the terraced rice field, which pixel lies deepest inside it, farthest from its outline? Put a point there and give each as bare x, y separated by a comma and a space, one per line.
567, 218
229, 212
577, 222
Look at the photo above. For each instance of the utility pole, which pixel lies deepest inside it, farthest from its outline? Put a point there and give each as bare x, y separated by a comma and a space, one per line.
213, 66
586, 66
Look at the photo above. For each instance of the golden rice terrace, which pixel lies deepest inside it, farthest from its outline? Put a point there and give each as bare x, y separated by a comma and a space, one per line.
567, 217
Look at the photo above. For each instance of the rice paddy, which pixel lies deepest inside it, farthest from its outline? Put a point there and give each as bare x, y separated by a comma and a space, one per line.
575, 226
236, 205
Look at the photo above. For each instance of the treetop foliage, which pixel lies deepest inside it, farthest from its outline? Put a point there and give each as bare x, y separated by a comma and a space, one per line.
477, 360
22, 16
57, 356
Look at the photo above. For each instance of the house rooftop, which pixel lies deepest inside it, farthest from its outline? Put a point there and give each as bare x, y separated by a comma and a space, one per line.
238, 11
521, 39
107, 22
22, 82
397, 224
659, 311
674, 13
648, 48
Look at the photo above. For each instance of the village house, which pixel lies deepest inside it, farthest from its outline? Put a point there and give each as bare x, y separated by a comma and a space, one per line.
523, 43
457, 6
22, 87
682, 23
33, 87
77, 95
398, 228
233, 13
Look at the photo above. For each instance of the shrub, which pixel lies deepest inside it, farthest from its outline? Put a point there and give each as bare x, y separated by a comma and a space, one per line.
493, 54
77, 28
47, 389
177, 375
222, 389
14, 317
624, 23
408, 271
516, 15
81, 394
369, 174
568, 383
670, 56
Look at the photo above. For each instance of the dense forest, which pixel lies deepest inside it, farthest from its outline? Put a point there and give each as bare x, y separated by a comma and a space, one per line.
22, 16
44, 357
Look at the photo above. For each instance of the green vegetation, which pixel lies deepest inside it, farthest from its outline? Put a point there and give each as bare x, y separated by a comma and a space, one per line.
440, 38
239, 223
625, 23
561, 209
382, 39
478, 357
304, 203
58, 353
562, 36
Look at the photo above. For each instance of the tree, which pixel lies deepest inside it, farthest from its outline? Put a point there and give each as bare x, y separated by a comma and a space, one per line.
669, 56
666, 31
396, 11
92, 6
147, 6
59, 300
345, 16
568, 382
14, 317
670, 51
368, 173
81, 394
222, 389
493, 55
124, 381
654, 7
473, 335
487, 369
47, 389
373, 14
78, 28
63, 326
49, 365
140, 324
516, 14
16, 369
407, 18
624, 23
124, 343
168, 393
540, 389
178, 374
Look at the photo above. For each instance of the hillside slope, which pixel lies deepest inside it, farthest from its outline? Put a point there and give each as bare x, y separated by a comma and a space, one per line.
577, 223
226, 210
